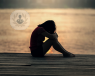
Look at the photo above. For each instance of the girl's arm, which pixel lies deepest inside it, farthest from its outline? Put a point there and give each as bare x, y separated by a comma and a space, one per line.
51, 36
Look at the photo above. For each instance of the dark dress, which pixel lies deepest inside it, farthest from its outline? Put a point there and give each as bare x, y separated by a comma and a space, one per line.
36, 42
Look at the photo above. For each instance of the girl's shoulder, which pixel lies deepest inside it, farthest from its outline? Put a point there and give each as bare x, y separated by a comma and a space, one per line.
40, 29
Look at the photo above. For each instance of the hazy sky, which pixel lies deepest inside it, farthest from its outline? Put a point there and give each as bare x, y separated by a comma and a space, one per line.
47, 3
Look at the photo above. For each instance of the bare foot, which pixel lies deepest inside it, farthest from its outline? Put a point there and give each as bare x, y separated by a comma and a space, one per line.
68, 55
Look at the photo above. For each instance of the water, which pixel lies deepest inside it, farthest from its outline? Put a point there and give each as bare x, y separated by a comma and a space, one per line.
75, 28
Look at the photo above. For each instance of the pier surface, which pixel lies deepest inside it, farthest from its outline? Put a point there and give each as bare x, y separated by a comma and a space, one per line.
23, 64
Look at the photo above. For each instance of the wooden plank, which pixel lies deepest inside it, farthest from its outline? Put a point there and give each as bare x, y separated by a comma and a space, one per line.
14, 64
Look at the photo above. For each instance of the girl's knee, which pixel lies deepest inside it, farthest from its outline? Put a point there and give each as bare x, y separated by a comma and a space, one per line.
53, 39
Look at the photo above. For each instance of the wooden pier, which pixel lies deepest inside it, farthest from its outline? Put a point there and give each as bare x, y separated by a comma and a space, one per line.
23, 64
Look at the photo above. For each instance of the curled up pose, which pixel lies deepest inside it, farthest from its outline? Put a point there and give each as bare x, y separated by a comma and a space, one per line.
39, 48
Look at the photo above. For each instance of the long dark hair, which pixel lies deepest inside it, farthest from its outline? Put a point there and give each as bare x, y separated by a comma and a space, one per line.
49, 26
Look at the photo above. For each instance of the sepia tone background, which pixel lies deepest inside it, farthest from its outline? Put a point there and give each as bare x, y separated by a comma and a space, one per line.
75, 21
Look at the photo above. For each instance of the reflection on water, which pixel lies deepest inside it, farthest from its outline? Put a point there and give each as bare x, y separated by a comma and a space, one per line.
75, 28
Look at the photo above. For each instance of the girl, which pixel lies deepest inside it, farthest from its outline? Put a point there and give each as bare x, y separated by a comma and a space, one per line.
46, 29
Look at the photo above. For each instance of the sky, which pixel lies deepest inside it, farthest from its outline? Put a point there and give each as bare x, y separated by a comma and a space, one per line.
47, 3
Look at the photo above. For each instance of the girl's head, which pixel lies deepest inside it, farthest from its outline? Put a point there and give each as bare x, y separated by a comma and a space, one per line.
49, 26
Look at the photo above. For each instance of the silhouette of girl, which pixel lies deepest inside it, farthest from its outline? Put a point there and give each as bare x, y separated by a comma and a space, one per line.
46, 29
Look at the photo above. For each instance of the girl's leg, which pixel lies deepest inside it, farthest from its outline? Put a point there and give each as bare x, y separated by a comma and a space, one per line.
46, 45
56, 45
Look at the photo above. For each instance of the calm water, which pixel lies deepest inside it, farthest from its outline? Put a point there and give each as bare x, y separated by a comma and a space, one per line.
75, 28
